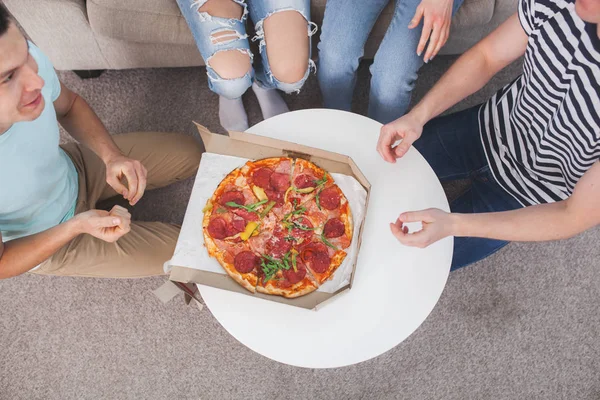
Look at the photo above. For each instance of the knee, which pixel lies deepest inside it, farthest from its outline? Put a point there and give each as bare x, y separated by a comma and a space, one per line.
289, 70
391, 76
186, 151
287, 45
391, 82
228, 68
230, 64
191, 149
337, 58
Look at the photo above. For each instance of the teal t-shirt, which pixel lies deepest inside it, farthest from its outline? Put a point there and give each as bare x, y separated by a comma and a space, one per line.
38, 181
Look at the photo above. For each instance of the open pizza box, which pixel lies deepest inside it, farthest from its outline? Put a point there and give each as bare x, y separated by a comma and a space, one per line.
184, 268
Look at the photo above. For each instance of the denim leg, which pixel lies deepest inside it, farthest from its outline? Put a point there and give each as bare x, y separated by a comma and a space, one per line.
261, 10
452, 145
485, 195
203, 27
346, 28
394, 69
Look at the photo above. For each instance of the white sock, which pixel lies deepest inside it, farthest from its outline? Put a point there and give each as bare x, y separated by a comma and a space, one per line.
232, 114
270, 101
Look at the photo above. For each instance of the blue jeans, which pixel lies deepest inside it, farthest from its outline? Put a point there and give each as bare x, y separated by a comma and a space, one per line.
452, 146
203, 26
346, 27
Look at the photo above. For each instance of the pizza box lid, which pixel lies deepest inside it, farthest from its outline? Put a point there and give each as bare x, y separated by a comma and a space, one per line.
241, 144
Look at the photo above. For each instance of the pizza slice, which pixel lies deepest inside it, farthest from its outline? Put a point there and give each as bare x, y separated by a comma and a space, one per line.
269, 179
307, 181
285, 276
321, 260
222, 240
334, 226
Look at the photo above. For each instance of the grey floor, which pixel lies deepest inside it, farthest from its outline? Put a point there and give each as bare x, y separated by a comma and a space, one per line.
522, 324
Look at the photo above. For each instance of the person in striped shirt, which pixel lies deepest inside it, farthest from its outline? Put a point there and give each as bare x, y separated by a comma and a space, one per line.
532, 151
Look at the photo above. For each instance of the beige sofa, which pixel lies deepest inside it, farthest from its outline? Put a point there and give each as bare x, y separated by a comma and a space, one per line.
117, 34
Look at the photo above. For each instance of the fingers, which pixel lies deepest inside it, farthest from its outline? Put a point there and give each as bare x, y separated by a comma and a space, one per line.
398, 229
130, 173
115, 183
433, 42
427, 26
109, 221
403, 147
120, 212
387, 137
124, 216
445, 32
135, 174
141, 174
417, 18
419, 239
417, 216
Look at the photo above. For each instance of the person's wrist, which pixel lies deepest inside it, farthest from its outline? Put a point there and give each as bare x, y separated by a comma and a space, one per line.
111, 155
420, 115
456, 224
76, 225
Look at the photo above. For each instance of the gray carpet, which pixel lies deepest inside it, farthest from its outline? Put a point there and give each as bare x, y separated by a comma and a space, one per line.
522, 324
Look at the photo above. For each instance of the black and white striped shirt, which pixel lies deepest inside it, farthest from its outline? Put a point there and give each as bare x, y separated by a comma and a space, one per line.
541, 133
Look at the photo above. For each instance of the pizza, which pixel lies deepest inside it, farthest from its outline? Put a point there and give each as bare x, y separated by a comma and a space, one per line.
278, 226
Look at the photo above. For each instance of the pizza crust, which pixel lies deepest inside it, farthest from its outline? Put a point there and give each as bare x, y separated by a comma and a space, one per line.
305, 286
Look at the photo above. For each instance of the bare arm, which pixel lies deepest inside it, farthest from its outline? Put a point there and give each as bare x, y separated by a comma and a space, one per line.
553, 221
474, 69
21, 255
466, 76
77, 117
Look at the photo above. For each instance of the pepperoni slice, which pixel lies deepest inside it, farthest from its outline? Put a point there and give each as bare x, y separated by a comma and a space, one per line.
261, 177
321, 262
294, 277
234, 196
245, 262
277, 246
280, 181
330, 198
304, 181
334, 228
277, 197
246, 215
301, 233
237, 225
217, 228
315, 255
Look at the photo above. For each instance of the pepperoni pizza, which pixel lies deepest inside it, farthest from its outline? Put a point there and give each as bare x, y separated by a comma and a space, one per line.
278, 226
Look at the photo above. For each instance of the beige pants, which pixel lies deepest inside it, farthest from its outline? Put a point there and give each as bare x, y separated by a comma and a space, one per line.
169, 158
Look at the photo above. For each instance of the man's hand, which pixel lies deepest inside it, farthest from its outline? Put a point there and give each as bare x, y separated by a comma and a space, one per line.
119, 167
437, 16
406, 128
437, 224
108, 226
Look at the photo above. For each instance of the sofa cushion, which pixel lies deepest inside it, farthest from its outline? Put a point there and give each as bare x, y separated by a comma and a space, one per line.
160, 21
142, 21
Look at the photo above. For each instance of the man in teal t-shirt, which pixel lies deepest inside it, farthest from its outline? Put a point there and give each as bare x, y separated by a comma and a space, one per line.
48, 193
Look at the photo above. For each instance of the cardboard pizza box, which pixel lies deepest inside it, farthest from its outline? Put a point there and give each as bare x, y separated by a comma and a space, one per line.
256, 147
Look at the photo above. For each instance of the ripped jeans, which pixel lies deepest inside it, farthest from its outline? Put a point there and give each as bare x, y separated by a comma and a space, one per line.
215, 34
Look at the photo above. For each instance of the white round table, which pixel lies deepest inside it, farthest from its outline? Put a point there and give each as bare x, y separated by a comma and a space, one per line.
395, 287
